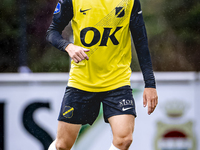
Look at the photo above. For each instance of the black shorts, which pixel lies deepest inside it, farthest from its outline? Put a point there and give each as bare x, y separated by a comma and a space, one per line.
82, 107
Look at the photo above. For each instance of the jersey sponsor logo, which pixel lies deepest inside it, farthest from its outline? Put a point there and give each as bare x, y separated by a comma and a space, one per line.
125, 109
119, 12
68, 112
57, 9
83, 11
107, 34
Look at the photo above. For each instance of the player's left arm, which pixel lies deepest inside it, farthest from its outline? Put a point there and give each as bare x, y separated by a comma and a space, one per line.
138, 31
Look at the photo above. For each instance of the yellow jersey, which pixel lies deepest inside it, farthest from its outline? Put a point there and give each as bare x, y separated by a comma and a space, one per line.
102, 27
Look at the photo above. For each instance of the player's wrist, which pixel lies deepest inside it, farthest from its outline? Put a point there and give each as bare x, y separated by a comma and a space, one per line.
68, 47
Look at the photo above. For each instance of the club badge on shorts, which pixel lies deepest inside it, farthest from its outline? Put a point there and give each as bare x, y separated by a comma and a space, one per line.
68, 112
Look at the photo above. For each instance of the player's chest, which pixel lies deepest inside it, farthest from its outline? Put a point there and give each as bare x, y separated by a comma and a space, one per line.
101, 12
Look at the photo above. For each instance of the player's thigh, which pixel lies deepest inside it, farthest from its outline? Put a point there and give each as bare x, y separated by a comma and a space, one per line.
79, 107
119, 101
122, 125
67, 134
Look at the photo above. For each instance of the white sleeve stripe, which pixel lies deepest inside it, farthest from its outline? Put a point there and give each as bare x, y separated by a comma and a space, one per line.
139, 12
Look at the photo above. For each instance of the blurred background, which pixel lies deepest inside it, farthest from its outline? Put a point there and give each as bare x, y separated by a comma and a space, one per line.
172, 27
33, 76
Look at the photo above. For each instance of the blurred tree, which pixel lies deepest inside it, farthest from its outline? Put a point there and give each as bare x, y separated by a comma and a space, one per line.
41, 56
9, 33
173, 32
172, 27
183, 17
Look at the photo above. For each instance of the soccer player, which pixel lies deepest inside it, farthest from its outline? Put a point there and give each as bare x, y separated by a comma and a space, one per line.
100, 67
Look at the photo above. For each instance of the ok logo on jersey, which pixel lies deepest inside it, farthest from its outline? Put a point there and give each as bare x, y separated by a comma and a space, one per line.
97, 36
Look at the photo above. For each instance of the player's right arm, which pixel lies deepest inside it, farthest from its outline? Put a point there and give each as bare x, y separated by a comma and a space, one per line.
61, 17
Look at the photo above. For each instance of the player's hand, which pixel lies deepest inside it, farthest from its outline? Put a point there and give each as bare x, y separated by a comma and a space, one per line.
150, 98
77, 53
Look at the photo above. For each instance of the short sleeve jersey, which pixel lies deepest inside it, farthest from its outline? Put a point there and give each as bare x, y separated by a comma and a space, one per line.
102, 27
